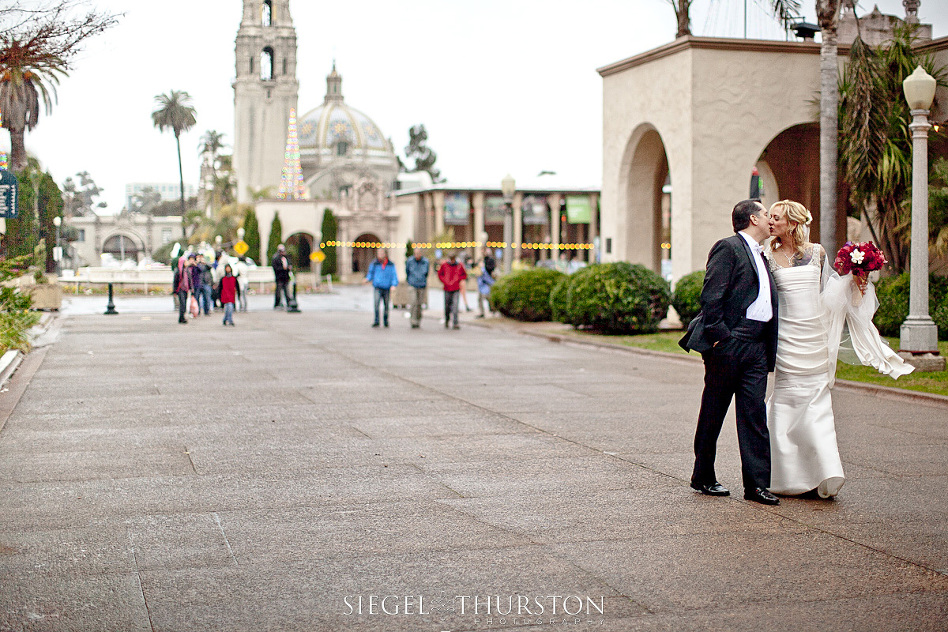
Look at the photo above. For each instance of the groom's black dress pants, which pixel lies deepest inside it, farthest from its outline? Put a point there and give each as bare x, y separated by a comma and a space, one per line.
736, 368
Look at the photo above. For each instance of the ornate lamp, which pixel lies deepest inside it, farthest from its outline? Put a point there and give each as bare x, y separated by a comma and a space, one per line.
919, 334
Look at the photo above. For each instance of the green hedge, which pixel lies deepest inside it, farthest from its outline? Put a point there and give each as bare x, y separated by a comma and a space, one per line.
559, 307
687, 296
525, 295
620, 297
893, 295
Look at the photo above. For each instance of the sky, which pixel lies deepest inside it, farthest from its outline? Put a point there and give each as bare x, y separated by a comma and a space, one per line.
501, 86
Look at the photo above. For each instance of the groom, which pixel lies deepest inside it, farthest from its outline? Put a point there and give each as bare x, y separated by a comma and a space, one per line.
736, 334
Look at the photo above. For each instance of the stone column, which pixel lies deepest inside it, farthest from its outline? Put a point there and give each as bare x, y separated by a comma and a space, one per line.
517, 224
593, 226
438, 204
554, 201
480, 229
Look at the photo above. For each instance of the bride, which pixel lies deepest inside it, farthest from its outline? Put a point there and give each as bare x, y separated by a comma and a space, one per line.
814, 305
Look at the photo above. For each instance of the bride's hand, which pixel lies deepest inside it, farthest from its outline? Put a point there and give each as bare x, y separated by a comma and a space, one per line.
861, 281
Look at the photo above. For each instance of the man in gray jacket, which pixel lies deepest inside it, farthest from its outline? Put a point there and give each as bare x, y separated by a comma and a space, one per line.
416, 272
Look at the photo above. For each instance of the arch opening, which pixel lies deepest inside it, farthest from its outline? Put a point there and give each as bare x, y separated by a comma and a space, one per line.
790, 170
266, 64
363, 256
648, 209
122, 247
298, 248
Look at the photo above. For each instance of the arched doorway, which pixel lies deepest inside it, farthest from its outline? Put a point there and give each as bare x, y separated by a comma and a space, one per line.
648, 202
362, 257
122, 247
790, 170
298, 248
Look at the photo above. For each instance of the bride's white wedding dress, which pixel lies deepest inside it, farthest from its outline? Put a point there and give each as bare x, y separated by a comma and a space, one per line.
804, 453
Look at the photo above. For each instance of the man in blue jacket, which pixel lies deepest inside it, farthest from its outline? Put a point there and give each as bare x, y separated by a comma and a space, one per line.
383, 278
416, 273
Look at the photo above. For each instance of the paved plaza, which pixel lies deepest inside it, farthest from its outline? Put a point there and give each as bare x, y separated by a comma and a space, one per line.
304, 472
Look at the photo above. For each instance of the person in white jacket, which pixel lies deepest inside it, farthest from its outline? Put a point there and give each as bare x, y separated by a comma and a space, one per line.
242, 272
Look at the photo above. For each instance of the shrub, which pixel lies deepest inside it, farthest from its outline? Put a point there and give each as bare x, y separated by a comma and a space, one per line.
15, 317
559, 308
618, 298
687, 296
893, 295
525, 295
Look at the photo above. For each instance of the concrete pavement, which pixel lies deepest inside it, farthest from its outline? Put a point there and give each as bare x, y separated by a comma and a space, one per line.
306, 472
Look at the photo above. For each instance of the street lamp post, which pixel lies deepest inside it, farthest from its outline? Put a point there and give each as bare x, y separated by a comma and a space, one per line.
58, 252
919, 334
508, 186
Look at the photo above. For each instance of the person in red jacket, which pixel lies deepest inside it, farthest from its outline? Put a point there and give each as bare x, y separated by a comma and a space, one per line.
452, 275
228, 290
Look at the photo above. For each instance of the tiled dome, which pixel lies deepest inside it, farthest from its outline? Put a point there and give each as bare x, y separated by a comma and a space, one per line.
323, 128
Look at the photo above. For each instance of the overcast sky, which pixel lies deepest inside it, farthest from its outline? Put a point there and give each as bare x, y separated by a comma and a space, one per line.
502, 86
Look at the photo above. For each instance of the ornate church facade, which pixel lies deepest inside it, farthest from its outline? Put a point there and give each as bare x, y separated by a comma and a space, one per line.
347, 165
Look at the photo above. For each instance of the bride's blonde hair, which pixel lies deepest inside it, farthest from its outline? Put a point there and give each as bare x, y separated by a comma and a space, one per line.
799, 218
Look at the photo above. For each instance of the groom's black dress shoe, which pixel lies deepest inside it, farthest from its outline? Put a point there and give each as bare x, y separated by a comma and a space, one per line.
762, 496
711, 489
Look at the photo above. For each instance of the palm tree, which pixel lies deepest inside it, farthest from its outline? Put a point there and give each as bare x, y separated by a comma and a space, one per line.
210, 148
827, 15
177, 114
27, 79
876, 147
682, 10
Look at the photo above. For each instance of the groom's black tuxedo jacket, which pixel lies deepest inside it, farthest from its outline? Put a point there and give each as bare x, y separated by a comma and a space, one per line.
730, 286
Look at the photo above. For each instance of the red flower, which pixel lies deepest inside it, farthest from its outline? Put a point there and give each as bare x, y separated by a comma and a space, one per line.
859, 258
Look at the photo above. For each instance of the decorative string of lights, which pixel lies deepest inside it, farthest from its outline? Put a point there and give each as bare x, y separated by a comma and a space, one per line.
291, 184
453, 245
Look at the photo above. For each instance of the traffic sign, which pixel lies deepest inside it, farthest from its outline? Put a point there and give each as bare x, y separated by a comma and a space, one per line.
318, 256
9, 198
241, 247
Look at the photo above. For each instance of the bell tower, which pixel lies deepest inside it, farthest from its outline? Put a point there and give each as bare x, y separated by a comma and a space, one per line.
265, 91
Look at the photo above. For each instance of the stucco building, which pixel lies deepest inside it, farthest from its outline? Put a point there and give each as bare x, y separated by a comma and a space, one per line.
692, 120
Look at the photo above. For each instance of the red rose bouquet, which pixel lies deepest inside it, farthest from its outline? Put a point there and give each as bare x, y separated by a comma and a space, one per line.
860, 259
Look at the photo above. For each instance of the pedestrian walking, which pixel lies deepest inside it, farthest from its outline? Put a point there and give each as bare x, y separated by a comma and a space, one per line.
383, 278
194, 272
205, 293
228, 290
485, 280
281, 274
468, 263
452, 275
242, 272
416, 274
182, 285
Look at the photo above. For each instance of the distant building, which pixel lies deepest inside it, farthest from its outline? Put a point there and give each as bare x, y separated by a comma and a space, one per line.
126, 236
168, 191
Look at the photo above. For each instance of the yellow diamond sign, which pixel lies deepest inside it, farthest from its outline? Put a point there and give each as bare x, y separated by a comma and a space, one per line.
318, 256
241, 247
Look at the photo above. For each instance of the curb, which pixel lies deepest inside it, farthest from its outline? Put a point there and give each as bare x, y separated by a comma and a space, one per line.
12, 359
888, 392
8, 364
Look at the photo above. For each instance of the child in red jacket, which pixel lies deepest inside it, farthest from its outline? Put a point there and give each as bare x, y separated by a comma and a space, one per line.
229, 291
452, 275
